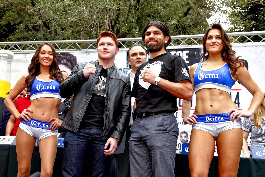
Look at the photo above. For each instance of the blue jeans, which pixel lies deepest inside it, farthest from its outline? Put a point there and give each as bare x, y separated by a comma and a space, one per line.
83, 154
152, 146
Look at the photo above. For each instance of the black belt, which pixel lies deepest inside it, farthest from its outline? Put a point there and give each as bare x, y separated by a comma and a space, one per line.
148, 114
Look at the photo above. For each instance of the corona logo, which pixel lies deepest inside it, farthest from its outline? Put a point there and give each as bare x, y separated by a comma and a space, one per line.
208, 76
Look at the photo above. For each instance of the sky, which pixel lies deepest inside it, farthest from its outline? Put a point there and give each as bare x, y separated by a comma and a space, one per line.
220, 18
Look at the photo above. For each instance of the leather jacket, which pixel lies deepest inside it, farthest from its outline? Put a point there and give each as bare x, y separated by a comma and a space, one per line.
117, 103
2, 111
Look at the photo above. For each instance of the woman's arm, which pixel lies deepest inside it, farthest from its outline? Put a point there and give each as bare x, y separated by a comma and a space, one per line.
186, 105
245, 79
245, 144
20, 85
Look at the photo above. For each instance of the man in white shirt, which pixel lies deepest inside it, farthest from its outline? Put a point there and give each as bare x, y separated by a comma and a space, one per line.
136, 56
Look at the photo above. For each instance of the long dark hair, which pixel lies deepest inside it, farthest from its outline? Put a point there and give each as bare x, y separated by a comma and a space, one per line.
34, 67
228, 54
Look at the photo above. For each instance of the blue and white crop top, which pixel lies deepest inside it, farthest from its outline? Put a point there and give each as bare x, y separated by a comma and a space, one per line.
219, 78
40, 89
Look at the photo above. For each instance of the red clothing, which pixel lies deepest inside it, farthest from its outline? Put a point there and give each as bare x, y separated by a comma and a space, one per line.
21, 104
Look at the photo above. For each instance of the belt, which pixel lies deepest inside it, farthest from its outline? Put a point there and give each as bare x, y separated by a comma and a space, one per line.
37, 124
148, 114
214, 118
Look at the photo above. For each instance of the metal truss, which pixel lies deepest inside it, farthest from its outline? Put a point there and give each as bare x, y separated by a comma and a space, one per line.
124, 43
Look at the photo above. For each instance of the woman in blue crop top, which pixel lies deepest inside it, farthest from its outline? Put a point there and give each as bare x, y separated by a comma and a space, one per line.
216, 117
40, 120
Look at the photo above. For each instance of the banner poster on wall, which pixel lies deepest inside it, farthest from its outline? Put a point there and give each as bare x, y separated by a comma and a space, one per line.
253, 55
191, 56
6, 58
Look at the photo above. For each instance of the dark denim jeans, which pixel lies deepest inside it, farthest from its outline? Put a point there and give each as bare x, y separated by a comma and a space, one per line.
153, 146
83, 154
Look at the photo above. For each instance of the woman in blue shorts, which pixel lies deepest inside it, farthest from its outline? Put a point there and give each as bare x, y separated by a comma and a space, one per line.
40, 120
216, 117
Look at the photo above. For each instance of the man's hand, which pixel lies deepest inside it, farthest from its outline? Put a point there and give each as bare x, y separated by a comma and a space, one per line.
149, 76
89, 69
112, 143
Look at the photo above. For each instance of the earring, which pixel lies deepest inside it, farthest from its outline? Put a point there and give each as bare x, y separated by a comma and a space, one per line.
205, 57
37, 61
224, 55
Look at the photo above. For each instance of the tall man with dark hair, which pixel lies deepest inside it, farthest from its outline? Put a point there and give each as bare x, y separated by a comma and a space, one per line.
99, 113
136, 56
157, 84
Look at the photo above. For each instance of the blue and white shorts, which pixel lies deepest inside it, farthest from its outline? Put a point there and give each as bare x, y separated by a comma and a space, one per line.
37, 129
215, 123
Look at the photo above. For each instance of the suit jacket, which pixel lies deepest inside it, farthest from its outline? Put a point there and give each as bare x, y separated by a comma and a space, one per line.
2, 111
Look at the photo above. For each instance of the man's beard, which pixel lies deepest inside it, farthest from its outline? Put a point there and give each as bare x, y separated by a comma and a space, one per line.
154, 47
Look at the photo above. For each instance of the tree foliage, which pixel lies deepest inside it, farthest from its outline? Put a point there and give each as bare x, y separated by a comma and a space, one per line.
247, 15
29, 20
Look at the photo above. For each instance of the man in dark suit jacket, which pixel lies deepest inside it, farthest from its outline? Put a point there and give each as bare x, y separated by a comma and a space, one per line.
4, 116
2, 111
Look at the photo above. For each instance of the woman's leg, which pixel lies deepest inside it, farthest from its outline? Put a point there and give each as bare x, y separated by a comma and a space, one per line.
201, 151
229, 144
24, 147
48, 149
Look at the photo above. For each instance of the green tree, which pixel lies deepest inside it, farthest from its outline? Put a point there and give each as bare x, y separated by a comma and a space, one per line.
247, 15
29, 20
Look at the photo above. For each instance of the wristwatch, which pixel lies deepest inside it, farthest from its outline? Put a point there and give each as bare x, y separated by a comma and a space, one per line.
157, 79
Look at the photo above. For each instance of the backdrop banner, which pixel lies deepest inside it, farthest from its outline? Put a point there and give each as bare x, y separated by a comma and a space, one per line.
252, 54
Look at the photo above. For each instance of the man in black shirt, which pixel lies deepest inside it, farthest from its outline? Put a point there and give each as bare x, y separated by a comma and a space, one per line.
99, 113
157, 84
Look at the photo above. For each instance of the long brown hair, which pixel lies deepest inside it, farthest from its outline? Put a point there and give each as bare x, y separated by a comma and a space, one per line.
34, 67
228, 54
257, 116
